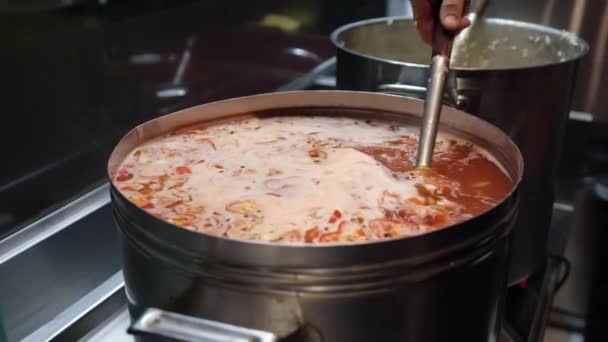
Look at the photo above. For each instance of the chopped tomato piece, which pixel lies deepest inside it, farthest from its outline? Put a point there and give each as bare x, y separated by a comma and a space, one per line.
183, 170
148, 206
206, 141
183, 220
124, 175
176, 185
423, 191
335, 216
416, 201
435, 218
359, 234
146, 189
163, 179
428, 197
139, 201
195, 210
330, 237
273, 172
240, 228
291, 236
174, 204
271, 140
405, 140
172, 155
311, 234
385, 228
406, 215
333, 236
242, 207
317, 155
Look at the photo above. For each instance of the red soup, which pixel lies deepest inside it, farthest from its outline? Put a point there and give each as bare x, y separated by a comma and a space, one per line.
315, 180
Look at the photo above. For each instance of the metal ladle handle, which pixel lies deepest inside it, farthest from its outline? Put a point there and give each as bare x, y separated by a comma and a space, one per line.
440, 64
480, 8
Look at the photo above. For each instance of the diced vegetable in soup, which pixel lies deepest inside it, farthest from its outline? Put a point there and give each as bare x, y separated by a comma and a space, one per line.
309, 180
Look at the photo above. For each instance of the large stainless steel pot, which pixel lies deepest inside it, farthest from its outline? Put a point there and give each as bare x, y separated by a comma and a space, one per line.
434, 287
518, 76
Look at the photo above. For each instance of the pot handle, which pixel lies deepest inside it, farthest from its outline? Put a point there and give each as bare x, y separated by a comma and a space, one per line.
180, 327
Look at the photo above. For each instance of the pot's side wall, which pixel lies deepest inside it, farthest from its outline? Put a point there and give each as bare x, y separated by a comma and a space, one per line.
532, 107
463, 303
363, 74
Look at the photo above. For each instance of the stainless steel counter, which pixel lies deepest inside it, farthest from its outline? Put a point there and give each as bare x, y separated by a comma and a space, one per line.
114, 329
57, 260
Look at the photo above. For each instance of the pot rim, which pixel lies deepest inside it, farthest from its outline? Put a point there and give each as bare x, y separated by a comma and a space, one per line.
584, 46
354, 100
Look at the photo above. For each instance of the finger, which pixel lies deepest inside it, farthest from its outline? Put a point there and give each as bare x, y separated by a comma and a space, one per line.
423, 19
464, 23
451, 14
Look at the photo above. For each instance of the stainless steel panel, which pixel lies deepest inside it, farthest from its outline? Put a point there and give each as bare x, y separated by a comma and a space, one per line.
54, 222
41, 282
79, 318
114, 329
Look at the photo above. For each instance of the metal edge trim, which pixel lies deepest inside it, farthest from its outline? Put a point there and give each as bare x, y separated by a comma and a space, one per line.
580, 116
181, 327
77, 310
308, 79
53, 223
563, 206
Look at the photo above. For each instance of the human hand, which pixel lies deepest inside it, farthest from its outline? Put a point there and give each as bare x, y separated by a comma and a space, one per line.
450, 13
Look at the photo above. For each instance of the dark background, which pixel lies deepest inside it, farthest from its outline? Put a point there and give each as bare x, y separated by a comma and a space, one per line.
76, 75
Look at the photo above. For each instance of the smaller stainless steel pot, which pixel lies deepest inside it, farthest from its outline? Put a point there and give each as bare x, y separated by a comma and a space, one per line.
434, 287
517, 76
